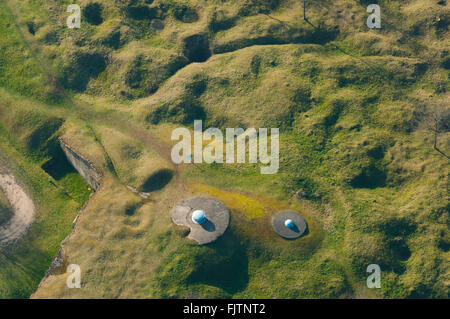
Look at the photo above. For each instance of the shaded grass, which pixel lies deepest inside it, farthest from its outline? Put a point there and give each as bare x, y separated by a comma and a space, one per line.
5, 208
67, 177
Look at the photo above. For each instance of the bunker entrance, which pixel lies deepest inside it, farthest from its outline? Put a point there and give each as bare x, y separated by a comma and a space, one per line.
67, 177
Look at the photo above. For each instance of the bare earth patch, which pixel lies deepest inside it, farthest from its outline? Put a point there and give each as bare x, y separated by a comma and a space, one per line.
22, 207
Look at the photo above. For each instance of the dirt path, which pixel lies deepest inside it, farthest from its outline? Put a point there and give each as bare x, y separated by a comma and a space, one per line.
22, 206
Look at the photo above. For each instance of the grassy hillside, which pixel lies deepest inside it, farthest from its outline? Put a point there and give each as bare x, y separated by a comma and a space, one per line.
360, 156
24, 263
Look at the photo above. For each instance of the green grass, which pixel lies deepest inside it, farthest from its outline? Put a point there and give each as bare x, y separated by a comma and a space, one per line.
26, 135
24, 264
67, 177
5, 208
19, 71
349, 107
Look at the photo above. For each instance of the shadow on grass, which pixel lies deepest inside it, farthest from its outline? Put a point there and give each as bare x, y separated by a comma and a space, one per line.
157, 181
58, 166
224, 265
297, 230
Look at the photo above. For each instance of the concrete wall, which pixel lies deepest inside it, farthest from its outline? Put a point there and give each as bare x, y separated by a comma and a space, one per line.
83, 167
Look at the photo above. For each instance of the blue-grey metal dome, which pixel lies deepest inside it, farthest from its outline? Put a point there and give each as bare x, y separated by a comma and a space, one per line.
289, 223
198, 217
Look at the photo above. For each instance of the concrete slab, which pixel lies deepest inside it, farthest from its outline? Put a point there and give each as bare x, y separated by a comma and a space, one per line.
285, 232
218, 218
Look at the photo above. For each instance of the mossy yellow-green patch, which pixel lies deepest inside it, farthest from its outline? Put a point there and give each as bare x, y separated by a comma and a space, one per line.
251, 208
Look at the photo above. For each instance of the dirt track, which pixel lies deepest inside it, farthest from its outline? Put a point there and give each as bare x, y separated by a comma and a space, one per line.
22, 206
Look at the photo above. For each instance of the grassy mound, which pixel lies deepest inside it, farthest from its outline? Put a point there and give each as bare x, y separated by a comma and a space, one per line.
363, 148
134, 164
19, 71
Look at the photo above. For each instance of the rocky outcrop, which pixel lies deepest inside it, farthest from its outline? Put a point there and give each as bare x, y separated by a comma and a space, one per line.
82, 165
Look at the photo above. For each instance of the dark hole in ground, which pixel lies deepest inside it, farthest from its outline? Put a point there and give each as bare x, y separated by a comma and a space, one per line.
185, 14
398, 268
395, 227
197, 87
84, 67
157, 181
444, 245
113, 40
370, 177
188, 111
442, 24
131, 209
31, 28
93, 13
367, 2
376, 153
134, 77
145, 76
58, 166
421, 291
68, 179
143, 13
337, 108
400, 250
196, 48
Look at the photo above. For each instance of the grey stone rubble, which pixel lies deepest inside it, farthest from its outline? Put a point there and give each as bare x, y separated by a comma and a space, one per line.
218, 218
143, 195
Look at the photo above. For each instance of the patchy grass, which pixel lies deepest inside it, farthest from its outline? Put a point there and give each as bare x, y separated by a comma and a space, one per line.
24, 264
5, 208
134, 164
19, 71
355, 159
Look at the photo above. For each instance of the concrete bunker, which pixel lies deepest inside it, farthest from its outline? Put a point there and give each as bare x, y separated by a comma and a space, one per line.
207, 218
86, 170
289, 225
